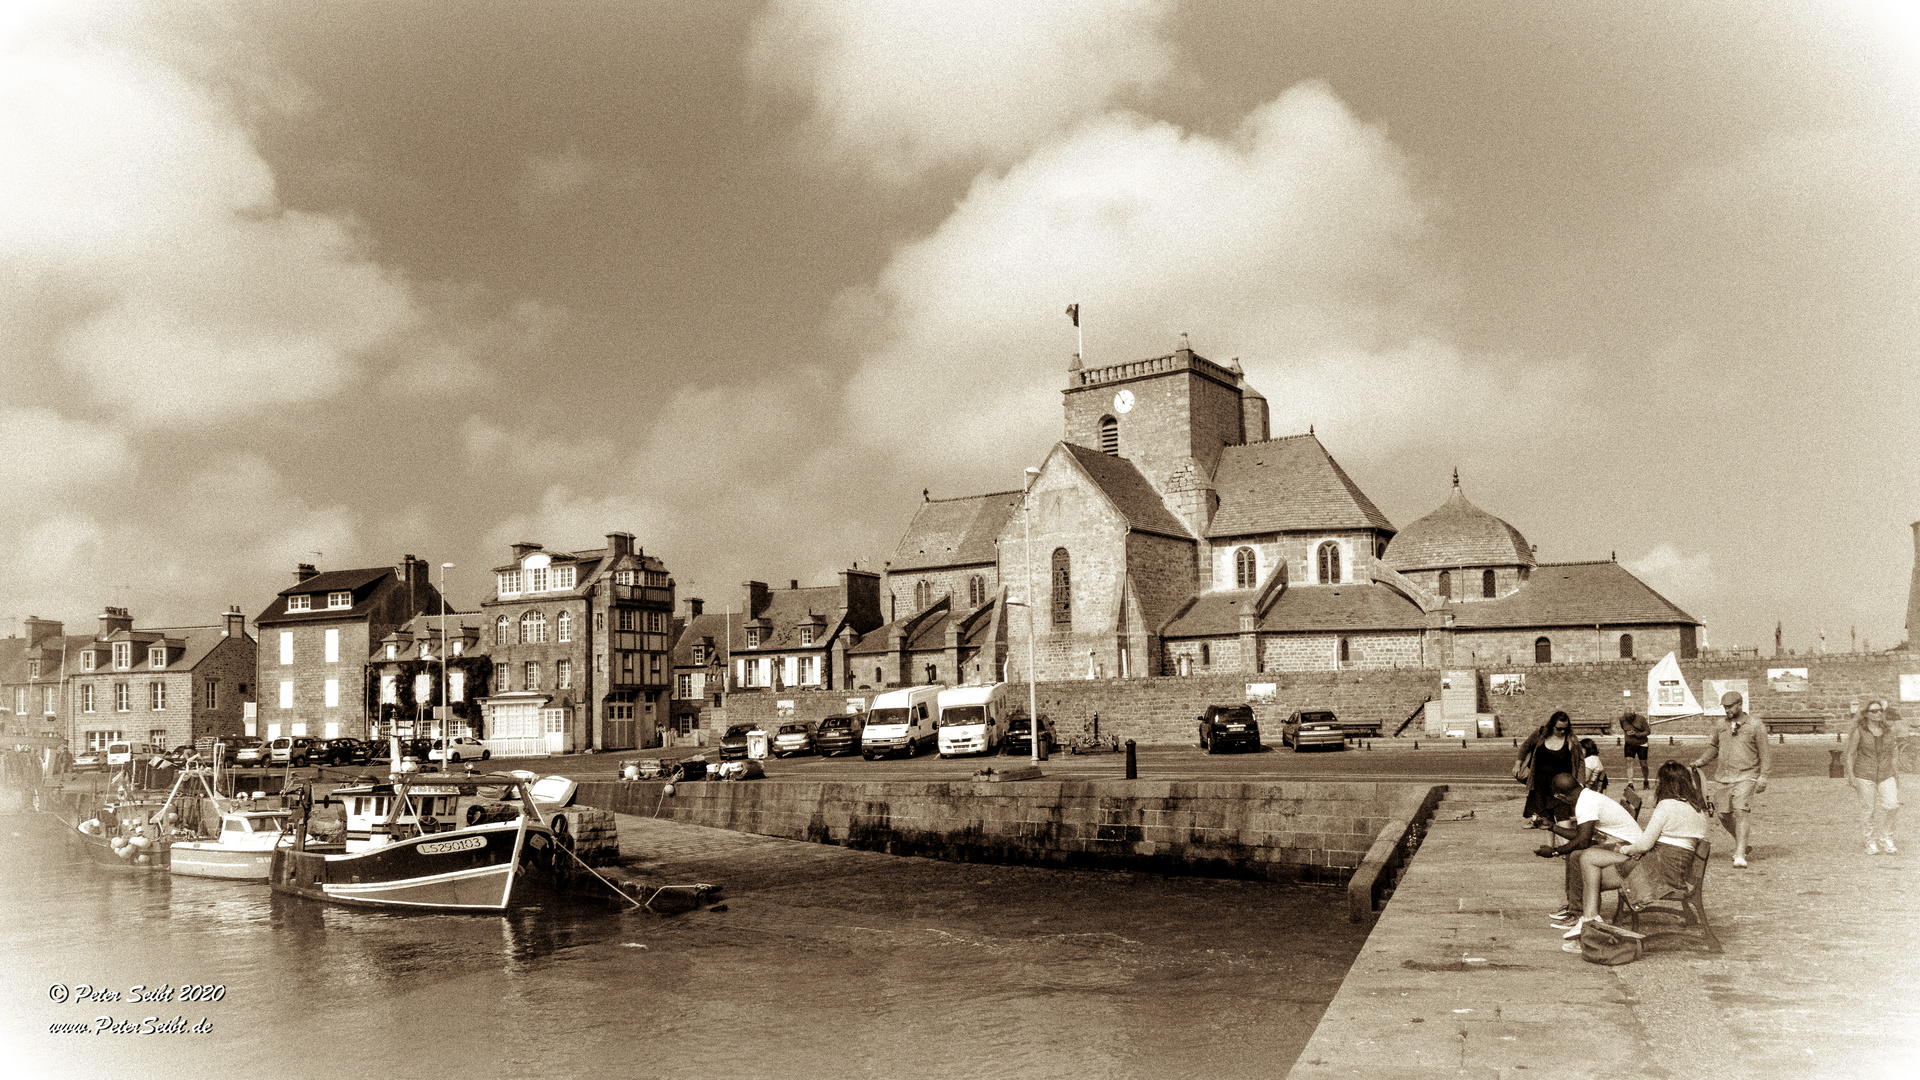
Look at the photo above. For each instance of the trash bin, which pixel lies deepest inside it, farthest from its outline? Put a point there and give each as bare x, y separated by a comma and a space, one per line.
1835, 767
757, 745
1489, 727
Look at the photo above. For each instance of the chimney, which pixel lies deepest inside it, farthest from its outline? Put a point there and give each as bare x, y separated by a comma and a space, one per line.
406, 568
113, 620
756, 598
694, 606
522, 549
236, 623
304, 571
619, 543
1913, 596
39, 630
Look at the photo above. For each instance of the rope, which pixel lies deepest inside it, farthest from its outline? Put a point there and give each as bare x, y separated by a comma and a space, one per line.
646, 905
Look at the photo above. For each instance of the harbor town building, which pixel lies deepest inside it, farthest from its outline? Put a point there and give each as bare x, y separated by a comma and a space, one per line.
160, 685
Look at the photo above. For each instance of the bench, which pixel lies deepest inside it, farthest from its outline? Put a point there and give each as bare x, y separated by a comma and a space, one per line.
1795, 724
1689, 907
1592, 727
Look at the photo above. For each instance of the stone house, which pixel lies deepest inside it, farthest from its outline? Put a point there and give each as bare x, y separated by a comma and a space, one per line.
412, 672
161, 685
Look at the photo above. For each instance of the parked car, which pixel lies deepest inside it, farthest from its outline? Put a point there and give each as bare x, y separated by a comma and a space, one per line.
1228, 727
839, 735
460, 748
89, 760
178, 755
1019, 738
381, 750
971, 719
733, 745
290, 750
342, 751
907, 720
251, 751
794, 737
228, 745
1312, 727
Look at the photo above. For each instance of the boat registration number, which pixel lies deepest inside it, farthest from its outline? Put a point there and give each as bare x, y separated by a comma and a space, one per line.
443, 847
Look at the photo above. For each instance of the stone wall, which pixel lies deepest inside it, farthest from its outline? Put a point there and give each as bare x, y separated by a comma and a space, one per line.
1505, 649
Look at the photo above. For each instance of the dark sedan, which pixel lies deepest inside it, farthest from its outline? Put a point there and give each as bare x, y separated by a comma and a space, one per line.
1229, 727
838, 735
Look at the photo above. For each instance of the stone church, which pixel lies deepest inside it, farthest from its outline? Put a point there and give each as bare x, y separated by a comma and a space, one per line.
1172, 535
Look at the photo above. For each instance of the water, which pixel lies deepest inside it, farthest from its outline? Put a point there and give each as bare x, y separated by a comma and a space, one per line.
907, 968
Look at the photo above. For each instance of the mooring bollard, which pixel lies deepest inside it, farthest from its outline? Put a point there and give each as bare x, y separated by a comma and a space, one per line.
1133, 766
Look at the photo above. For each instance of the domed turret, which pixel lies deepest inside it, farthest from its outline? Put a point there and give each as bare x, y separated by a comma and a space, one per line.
1460, 536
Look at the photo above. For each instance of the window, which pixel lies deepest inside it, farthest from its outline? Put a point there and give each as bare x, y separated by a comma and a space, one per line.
500, 679
389, 689
1542, 651
624, 577
286, 693
332, 691
86, 697
509, 582
1110, 436
1329, 563
337, 601
157, 695
657, 579
806, 635
753, 637
1245, 569
555, 720
122, 655
653, 668
459, 646
533, 675
563, 674
627, 619
156, 657
537, 579
87, 660
656, 622
599, 622
456, 686
1626, 646
157, 736
1486, 584
563, 626
46, 700
502, 631
699, 656
976, 590
213, 693
1346, 650
1206, 654
302, 602
333, 645
1446, 584
121, 702
563, 577
533, 628
879, 677
683, 686
1062, 604
392, 650
922, 594
286, 646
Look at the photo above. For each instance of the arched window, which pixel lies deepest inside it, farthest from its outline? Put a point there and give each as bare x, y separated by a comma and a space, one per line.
533, 628
1486, 584
1062, 589
563, 627
1329, 563
1542, 651
1446, 584
502, 631
1346, 650
1110, 436
1626, 646
1206, 654
976, 590
1245, 569
879, 677
922, 594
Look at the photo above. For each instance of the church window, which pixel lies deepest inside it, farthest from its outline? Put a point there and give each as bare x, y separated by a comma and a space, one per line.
1626, 646
1244, 569
1329, 563
1110, 436
922, 594
879, 677
1486, 584
1346, 650
1446, 584
1062, 588
1206, 654
1542, 651
976, 590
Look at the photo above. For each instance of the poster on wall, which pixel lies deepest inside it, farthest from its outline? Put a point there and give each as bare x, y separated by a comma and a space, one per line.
1910, 688
1507, 685
1718, 688
1262, 692
1787, 680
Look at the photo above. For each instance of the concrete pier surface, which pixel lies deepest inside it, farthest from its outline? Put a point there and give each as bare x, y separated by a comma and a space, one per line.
1463, 976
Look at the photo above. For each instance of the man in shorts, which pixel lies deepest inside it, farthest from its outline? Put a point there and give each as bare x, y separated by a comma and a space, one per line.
1598, 822
1739, 746
1633, 731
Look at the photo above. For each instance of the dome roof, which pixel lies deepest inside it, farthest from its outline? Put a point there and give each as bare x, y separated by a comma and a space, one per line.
1458, 534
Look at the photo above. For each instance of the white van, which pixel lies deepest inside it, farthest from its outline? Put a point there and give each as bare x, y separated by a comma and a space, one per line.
972, 719
901, 720
120, 753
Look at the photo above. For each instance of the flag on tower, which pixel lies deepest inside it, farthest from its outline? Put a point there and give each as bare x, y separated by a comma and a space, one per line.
1073, 312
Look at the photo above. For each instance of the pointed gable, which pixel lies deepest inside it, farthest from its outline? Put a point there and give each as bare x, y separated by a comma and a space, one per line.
1288, 484
1128, 490
955, 532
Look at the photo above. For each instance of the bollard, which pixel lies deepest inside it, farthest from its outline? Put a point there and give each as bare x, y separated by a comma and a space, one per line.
1133, 766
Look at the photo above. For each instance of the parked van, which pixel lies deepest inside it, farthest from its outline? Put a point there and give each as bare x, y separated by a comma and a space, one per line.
120, 753
973, 719
901, 720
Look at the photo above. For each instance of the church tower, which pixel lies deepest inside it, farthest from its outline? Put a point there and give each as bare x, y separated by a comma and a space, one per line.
1169, 415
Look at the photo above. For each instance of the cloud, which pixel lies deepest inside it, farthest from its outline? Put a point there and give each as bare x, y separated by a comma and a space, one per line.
48, 454
902, 88
1685, 579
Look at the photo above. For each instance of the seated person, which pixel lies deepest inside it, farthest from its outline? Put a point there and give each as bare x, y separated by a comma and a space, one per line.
1657, 864
1596, 770
1599, 824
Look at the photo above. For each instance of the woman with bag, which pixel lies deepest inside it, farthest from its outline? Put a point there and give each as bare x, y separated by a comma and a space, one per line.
1544, 754
1871, 761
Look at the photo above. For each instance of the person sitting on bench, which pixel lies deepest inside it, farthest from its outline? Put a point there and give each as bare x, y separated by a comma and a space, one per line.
1659, 862
1600, 825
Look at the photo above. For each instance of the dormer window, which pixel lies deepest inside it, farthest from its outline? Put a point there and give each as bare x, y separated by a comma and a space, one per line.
426, 650
753, 637
337, 601
624, 577
122, 655
33, 669
563, 577
509, 582
537, 579
88, 660
456, 647
302, 602
699, 656
393, 651
157, 656
806, 635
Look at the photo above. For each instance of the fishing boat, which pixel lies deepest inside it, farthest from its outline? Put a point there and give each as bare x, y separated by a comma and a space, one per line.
443, 843
242, 851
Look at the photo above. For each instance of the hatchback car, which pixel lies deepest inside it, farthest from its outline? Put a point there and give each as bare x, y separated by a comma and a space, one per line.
794, 737
290, 750
89, 760
341, 751
1312, 727
838, 735
1229, 727
1019, 739
733, 745
251, 752
460, 748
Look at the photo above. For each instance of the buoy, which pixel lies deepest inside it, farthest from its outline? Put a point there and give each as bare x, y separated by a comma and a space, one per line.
140, 842
668, 790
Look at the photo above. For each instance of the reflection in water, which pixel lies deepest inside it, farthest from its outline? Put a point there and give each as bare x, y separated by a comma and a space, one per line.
906, 968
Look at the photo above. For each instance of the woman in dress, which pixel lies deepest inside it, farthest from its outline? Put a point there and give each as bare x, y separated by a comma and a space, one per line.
1658, 863
1872, 766
1550, 751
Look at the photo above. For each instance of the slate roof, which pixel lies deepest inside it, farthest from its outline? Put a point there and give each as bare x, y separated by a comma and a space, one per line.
363, 584
955, 532
1129, 491
1285, 484
1339, 608
785, 610
1573, 594
1458, 534
931, 633
192, 642
710, 625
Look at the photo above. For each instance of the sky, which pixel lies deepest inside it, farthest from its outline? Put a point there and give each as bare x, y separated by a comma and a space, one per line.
334, 283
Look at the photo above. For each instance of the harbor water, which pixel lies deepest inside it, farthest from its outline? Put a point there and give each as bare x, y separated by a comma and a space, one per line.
909, 968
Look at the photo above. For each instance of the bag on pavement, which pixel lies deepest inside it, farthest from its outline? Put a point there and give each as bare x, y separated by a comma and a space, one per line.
1604, 943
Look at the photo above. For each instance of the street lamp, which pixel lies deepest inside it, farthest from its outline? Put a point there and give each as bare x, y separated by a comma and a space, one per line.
446, 698
1033, 691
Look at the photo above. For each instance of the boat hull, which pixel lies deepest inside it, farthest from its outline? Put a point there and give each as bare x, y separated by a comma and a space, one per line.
214, 861
484, 868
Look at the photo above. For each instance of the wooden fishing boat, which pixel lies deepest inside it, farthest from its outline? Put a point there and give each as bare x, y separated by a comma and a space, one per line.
243, 850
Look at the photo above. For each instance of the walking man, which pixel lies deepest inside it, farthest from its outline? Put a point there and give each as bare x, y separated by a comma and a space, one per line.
1739, 746
1633, 729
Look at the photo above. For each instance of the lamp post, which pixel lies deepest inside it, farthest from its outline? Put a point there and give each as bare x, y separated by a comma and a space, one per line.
1033, 692
446, 699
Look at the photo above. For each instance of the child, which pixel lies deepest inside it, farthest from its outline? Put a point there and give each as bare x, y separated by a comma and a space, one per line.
1596, 772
